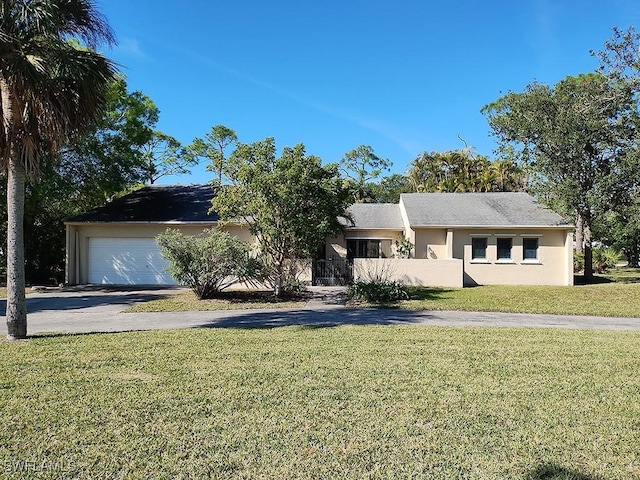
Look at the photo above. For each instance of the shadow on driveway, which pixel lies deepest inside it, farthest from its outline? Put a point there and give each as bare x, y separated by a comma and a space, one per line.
66, 300
317, 318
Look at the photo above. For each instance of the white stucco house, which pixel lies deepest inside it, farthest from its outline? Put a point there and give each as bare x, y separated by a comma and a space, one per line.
458, 239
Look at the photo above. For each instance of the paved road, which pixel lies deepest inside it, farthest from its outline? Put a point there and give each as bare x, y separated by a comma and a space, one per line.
100, 310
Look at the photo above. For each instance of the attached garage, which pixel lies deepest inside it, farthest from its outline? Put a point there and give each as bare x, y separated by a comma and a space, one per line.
115, 244
126, 261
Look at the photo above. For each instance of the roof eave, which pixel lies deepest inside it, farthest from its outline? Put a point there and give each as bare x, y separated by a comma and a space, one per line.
394, 229
147, 222
562, 227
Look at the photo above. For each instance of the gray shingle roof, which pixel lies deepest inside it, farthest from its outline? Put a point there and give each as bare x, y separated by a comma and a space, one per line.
478, 209
375, 216
156, 203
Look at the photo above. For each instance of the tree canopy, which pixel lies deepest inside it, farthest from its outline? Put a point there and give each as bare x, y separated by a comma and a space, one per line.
463, 171
579, 139
213, 147
291, 204
360, 166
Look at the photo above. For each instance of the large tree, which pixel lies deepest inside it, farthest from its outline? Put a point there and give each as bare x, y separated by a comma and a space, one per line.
50, 90
113, 152
163, 156
213, 147
578, 138
389, 188
291, 204
360, 166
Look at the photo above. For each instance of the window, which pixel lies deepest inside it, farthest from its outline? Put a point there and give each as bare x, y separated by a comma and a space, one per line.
478, 248
504, 248
530, 249
364, 249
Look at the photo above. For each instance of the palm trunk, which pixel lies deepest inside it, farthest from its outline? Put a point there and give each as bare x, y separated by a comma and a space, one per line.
16, 302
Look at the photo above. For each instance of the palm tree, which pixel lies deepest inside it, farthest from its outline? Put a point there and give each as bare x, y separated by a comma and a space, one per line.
51, 88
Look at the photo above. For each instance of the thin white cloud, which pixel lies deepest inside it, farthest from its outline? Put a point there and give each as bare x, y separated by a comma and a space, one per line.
375, 125
131, 48
545, 18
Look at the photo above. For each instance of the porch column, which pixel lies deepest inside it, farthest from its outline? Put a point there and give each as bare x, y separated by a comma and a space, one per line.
69, 255
568, 249
449, 243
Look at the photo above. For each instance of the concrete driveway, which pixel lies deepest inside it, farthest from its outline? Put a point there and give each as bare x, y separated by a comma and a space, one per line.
100, 310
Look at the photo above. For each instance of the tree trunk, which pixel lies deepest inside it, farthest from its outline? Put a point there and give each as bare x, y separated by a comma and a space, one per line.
588, 250
16, 302
579, 234
633, 256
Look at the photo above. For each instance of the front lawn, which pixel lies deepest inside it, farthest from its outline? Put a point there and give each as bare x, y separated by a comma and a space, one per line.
603, 299
227, 300
343, 402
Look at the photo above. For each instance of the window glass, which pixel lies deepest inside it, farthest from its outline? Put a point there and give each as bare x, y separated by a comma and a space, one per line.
352, 245
373, 249
363, 249
478, 248
530, 248
504, 248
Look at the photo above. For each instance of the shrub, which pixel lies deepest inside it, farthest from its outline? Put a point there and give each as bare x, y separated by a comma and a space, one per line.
604, 259
207, 263
404, 248
378, 291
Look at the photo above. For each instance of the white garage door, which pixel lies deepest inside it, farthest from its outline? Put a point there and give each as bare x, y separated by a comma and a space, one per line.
127, 261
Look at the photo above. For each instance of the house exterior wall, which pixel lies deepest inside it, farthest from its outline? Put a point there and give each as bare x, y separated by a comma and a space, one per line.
430, 243
410, 271
78, 235
553, 266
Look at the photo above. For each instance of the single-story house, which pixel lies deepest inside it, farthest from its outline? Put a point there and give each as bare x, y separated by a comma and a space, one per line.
459, 239
456, 239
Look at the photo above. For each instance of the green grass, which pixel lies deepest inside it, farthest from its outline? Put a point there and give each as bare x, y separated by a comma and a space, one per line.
622, 275
616, 294
607, 299
228, 300
345, 402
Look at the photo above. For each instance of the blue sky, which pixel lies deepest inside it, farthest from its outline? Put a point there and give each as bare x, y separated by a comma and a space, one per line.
402, 76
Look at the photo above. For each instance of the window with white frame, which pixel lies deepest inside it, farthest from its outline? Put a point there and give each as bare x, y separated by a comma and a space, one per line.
478, 248
504, 248
530, 249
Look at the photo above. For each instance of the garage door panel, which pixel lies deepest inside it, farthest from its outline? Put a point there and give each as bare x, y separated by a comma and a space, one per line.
127, 261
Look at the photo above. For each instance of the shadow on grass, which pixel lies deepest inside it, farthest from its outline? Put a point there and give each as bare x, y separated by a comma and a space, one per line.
431, 293
259, 296
551, 471
246, 324
580, 280
615, 275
